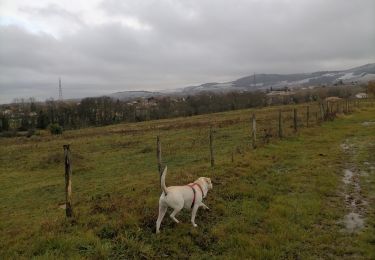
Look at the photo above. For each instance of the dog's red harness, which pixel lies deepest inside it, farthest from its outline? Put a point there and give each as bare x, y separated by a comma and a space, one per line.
192, 187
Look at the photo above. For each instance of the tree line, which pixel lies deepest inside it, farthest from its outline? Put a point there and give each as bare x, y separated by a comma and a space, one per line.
24, 115
99, 111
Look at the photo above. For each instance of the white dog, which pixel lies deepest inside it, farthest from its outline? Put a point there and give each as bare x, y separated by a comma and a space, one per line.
177, 197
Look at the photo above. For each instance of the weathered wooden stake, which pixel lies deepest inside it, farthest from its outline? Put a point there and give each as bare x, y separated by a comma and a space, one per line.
321, 111
327, 112
346, 106
341, 111
280, 125
68, 181
307, 116
212, 159
158, 154
295, 119
254, 131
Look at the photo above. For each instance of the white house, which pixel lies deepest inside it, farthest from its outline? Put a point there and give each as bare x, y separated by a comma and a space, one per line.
361, 95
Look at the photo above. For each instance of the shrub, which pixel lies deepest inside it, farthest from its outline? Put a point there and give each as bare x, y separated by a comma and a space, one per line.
30, 132
55, 129
10, 133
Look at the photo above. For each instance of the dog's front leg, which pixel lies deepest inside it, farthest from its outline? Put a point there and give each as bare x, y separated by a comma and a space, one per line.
204, 206
193, 214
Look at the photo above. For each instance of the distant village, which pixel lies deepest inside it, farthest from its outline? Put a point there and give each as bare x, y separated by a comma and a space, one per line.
285, 94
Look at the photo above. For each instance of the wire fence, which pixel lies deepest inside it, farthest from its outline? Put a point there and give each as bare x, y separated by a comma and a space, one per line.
216, 138
233, 135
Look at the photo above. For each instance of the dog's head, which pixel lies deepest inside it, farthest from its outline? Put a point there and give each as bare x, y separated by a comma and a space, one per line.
207, 181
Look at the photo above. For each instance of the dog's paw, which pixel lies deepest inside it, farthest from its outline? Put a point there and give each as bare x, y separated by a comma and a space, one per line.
195, 225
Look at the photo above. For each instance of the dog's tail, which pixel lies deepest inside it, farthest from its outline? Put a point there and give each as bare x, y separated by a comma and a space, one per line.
162, 180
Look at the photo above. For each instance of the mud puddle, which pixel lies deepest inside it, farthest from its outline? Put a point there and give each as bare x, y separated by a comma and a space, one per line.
368, 123
354, 221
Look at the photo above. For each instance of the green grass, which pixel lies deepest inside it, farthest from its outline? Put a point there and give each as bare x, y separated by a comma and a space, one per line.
282, 200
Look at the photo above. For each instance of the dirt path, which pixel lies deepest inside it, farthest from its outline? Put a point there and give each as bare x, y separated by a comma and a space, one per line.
355, 220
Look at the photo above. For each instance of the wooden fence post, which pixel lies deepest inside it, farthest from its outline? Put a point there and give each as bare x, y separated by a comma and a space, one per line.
158, 154
68, 181
327, 111
321, 111
295, 119
212, 159
280, 125
346, 106
307, 116
341, 110
254, 131
349, 106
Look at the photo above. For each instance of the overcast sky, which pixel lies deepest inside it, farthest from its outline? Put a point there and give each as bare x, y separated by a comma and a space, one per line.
100, 47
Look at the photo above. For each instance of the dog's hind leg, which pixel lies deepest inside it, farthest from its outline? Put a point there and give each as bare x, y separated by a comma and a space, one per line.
175, 211
193, 214
162, 210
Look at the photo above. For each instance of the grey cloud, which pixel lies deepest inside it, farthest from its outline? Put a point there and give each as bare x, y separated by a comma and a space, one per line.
189, 42
52, 10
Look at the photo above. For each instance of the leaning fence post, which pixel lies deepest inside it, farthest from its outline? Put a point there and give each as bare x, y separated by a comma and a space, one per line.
158, 154
295, 119
280, 125
254, 131
212, 159
68, 181
307, 116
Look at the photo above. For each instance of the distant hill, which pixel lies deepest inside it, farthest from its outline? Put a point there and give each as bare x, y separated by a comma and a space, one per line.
361, 74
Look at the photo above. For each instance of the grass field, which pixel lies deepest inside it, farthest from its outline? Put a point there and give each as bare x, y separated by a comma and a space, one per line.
283, 200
